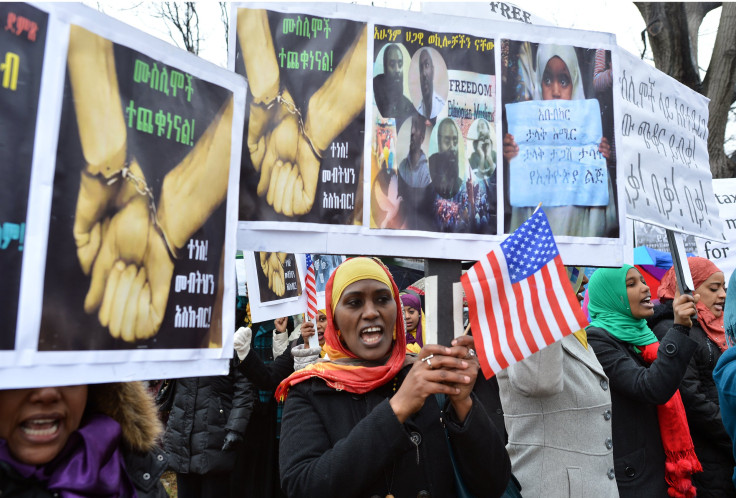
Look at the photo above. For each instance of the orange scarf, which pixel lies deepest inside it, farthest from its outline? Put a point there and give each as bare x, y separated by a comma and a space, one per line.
344, 371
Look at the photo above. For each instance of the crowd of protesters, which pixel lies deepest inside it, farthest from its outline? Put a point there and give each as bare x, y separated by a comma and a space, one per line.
642, 403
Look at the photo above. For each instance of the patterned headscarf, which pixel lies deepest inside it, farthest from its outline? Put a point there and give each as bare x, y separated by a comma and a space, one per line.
701, 269
344, 370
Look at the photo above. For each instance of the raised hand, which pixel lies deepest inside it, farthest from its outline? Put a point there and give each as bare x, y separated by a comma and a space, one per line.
684, 308
438, 370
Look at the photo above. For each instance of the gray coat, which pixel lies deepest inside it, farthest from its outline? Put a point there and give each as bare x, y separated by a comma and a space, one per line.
557, 409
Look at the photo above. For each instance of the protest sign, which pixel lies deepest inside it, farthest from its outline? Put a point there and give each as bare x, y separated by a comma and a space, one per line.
133, 188
304, 116
324, 265
576, 164
664, 152
22, 45
433, 164
558, 162
275, 284
723, 254
426, 180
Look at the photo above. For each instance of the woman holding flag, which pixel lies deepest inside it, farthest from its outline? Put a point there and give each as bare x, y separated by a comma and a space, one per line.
652, 448
366, 423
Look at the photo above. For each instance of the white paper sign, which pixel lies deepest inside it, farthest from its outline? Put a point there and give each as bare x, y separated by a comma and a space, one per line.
558, 163
663, 150
723, 254
122, 146
275, 284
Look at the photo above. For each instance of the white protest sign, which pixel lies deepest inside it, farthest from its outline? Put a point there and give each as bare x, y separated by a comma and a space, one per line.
152, 295
558, 162
498, 11
663, 133
723, 254
275, 284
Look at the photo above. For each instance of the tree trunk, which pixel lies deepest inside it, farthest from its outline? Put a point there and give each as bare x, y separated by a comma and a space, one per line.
719, 85
673, 33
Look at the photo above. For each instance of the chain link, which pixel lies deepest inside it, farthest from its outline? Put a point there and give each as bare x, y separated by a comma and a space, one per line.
291, 108
143, 189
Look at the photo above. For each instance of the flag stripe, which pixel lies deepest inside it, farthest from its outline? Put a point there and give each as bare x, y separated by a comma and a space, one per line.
517, 319
491, 305
507, 333
539, 310
529, 343
488, 367
559, 331
537, 340
572, 300
560, 282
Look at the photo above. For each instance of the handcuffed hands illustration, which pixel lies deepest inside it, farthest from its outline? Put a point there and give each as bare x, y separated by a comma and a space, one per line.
272, 265
124, 241
285, 148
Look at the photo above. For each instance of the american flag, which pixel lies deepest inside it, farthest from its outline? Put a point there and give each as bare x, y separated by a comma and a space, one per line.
520, 298
311, 287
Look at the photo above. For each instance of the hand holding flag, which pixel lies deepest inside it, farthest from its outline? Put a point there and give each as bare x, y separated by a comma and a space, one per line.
520, 298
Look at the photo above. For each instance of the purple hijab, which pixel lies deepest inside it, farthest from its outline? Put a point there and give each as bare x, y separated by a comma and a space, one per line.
412, 301
91, 463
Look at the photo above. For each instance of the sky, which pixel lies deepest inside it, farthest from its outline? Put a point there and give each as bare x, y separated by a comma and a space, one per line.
613, 16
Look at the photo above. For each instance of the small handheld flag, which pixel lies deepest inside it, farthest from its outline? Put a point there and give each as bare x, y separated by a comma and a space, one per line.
311, 290
520, 298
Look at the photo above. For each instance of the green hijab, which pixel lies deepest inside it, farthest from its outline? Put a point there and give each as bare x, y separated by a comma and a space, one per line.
610, 310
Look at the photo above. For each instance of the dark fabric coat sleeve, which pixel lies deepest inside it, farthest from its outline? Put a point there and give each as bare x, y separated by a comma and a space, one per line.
704, 413
478, 436
654, 384
267, 377
312, 465
244, 396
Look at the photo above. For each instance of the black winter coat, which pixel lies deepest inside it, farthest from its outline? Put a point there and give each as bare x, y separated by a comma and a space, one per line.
144, 470
636, 390
337, 444
700, 397
205, 409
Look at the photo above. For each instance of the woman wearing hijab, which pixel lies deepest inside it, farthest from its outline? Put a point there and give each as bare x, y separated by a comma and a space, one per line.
558, 77
652, 449
415, 323
367, 423
725, 371
699, 393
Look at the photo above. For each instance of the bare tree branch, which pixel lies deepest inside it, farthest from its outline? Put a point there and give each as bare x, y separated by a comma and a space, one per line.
185, 21
673, 35
225, 18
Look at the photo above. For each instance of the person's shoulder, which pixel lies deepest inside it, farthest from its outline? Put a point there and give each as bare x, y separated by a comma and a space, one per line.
599, 334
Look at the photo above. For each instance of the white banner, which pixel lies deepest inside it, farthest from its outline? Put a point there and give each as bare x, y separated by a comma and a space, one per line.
663, 150
723, 254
